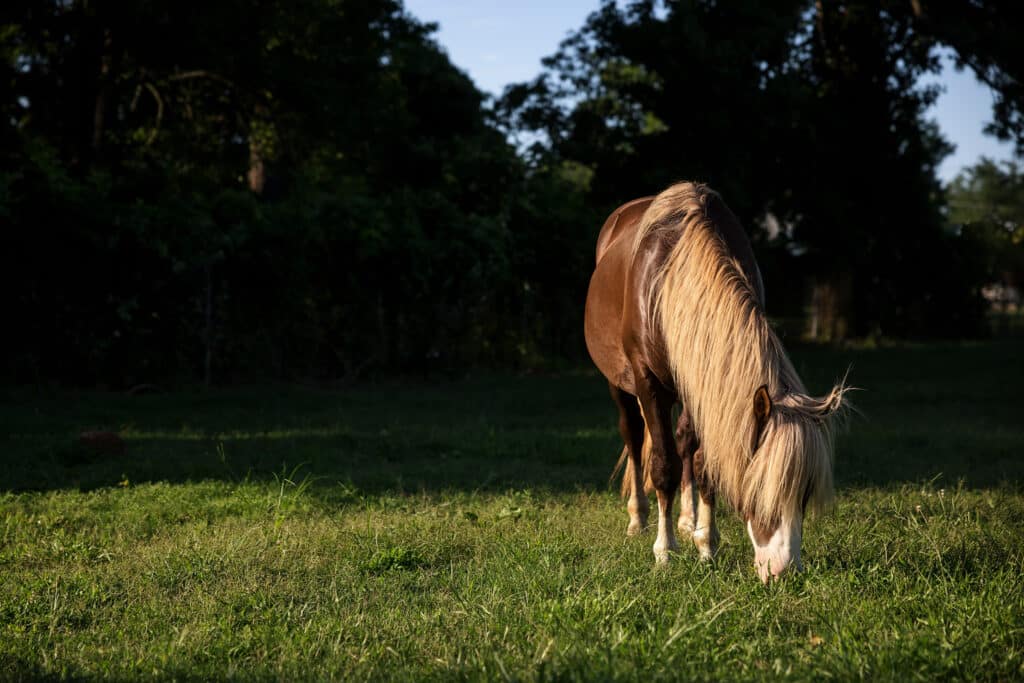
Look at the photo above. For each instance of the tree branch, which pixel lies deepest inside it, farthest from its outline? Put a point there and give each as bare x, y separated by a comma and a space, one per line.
159, 112
200, 73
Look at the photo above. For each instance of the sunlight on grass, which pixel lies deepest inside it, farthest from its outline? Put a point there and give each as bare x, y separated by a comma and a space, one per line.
260, 577
431, 544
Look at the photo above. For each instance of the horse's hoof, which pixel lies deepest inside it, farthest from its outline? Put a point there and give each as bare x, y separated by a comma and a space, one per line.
637, 524
662, 553
707, 544
686, 527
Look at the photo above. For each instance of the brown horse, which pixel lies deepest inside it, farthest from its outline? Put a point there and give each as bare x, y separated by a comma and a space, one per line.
675, 314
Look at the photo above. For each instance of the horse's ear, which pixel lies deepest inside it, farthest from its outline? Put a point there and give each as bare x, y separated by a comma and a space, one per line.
762, 403
762, 411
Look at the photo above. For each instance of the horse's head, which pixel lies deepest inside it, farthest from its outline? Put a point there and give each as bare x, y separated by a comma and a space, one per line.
790, 473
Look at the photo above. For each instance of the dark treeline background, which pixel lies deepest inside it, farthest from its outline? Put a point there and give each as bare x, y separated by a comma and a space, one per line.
310, 189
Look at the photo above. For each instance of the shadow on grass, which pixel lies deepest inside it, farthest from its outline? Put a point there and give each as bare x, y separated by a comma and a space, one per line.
948, 413
372, 464
26, 670
488, 433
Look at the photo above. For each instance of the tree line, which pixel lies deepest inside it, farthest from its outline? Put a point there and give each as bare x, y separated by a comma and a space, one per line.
310, 188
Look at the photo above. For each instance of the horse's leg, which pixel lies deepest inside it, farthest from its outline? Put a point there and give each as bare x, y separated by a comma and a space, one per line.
631, 428
666, 465
686, 444
705, 535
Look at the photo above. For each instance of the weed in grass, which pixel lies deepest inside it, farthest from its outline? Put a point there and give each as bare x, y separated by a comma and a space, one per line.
393, 559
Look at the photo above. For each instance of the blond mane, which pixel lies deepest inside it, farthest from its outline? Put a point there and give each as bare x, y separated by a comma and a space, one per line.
721, 348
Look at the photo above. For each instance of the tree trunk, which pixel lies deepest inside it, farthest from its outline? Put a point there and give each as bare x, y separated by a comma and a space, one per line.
257, 174
828, 318
260, 149
103, 92
208, 328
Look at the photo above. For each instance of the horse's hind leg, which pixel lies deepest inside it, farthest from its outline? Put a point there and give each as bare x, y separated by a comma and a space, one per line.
666, 466
686, 444
705, 534
631, 428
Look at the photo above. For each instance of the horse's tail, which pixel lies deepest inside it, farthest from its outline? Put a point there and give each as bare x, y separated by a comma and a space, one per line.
627, 471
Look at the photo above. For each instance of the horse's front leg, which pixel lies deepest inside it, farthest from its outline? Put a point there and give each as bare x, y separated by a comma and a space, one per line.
666, 465
705, 534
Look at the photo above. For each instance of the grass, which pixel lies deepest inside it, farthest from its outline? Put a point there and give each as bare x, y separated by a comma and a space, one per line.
466, 530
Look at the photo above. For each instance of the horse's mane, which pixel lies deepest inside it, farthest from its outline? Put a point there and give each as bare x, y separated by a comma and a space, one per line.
721, 348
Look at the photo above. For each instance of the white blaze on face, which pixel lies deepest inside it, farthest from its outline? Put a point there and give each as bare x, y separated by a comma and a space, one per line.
780, 552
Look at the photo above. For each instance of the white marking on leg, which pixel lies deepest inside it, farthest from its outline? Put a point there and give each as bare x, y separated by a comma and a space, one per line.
638, 507
705, 533
687, 514
666, 542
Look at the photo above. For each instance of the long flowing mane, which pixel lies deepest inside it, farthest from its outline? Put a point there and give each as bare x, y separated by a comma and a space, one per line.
722, 348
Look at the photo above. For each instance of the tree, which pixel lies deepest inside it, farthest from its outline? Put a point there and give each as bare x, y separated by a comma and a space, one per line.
865, 188
288, 187
643, 97
986, 204
806, 116
986, 38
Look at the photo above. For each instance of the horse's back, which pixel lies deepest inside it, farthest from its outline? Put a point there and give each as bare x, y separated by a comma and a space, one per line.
623, 221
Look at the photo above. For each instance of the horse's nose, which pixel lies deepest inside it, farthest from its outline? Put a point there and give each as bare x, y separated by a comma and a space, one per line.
769, 570
774, 570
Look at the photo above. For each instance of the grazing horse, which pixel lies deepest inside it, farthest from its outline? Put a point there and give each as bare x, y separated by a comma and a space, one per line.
675, 314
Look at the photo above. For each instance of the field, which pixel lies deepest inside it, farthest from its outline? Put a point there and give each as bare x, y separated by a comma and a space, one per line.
466, 529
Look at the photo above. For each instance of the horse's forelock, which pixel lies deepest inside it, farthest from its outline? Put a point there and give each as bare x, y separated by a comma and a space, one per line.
792, 466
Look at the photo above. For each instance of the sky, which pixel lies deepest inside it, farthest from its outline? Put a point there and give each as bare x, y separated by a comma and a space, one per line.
498, 42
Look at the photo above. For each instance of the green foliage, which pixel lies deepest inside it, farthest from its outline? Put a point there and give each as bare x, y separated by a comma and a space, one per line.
466, 529
984, 36
987, 203
807, 115
314, 190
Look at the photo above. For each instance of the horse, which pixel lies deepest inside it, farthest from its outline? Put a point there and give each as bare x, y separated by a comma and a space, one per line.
675, 316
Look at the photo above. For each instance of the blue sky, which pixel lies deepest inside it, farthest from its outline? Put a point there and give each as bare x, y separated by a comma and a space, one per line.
501, 42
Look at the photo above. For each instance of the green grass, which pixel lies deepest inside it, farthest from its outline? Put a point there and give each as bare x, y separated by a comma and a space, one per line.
466, 529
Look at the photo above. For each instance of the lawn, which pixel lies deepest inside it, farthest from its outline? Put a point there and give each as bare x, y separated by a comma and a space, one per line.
466, 529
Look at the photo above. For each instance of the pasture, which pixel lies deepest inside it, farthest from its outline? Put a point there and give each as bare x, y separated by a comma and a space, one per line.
466, 529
